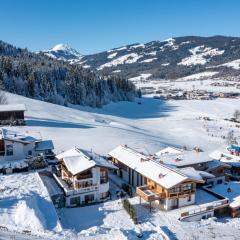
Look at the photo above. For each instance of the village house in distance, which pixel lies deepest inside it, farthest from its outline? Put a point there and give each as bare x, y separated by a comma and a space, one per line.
83, 175
12, 114
17, 150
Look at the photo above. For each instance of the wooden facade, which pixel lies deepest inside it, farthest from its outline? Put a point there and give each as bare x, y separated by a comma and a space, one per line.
12, 117
150, 191
185, 189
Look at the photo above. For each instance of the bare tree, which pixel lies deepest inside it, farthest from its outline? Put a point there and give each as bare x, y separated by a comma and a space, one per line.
236, 114
231, 139
3, 98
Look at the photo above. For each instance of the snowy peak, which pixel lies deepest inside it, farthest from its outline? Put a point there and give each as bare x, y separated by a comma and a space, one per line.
64, 52
61, 47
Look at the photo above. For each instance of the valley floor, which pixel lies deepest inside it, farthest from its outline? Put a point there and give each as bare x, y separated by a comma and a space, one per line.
146, 124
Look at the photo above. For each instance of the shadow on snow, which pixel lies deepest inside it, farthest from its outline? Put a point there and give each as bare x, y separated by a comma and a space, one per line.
145, 107
55, 124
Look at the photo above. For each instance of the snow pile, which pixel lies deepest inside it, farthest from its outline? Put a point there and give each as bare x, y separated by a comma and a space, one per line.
200, 55
26, 205
125, 59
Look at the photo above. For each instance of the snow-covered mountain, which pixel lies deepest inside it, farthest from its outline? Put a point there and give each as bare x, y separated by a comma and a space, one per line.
170, 59
64, 52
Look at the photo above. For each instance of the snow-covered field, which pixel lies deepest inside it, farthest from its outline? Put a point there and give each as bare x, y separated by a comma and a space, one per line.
149, 126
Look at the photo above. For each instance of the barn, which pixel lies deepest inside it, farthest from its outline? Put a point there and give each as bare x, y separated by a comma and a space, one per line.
12, 114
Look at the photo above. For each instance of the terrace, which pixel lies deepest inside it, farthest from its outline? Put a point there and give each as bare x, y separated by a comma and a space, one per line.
149, 194
69, 189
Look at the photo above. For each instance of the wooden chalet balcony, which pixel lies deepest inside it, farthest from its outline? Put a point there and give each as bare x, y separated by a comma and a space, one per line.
149, 194
69, 188
84, 176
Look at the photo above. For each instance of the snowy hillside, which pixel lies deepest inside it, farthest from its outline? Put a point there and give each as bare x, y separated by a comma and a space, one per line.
147, 126
169, 59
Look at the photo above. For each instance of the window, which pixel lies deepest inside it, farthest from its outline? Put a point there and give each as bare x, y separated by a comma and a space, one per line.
75, 201
30, 153
162, 201
187, 187
103, 176
9, 150
175, 190
104, 195
83, 184
219, 181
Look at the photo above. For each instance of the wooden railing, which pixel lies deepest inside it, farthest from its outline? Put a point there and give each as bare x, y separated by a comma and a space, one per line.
85, 176
69, 190
149, 194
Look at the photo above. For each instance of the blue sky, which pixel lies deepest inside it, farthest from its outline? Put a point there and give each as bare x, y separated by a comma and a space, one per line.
95, 25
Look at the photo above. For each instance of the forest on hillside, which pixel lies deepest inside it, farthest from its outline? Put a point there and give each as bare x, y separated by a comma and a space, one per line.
41, 77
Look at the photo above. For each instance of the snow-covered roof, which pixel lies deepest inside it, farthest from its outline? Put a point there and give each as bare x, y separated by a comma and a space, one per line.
69, 153
215, 164
182, 158
78, 164
163, 175
78, 160
44, 145
195, 174
169, 150
230, 190
12, 107
224, 156
17, 136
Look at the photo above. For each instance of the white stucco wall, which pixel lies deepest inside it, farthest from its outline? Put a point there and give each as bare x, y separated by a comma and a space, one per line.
104, 187
184, 201
20, 150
